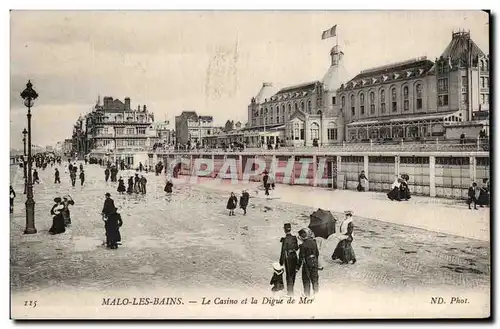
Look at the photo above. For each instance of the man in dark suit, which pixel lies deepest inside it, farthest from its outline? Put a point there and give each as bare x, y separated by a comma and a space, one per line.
288, 258
308, 259
109, 206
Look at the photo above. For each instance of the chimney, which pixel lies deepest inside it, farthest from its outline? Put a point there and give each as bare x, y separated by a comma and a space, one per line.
127, 104
107, 102
144, 108
138, 108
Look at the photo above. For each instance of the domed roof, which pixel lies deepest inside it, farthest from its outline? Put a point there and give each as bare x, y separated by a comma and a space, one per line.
336, 74
265, 92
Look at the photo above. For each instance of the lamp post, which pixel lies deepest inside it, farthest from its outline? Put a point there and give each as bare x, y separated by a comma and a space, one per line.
29, 95
24, 160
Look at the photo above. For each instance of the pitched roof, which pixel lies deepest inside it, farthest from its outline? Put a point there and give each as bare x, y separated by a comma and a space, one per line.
459, 45
393, 68
300, 87
190, 115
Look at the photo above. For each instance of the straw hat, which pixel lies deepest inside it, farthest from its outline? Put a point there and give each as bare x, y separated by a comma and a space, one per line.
277, 268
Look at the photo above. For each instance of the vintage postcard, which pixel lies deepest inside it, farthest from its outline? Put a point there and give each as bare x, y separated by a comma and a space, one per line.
250, 164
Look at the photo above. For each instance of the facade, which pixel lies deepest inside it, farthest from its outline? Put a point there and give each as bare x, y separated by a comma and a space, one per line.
67, 146
418, 99
305, 114
413, 100
191, 128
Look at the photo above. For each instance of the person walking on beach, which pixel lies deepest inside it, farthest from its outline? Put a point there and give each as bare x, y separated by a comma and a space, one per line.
57, 178
245, 196
106, 174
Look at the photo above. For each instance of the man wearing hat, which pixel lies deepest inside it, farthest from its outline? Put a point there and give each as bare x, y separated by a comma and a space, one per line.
109, 206
308, 259
288, 258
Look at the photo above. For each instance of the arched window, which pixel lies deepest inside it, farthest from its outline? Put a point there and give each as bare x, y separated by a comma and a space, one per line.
343, 101
487, 65
382, 101
394, 100
296, 131
353, 108
406, 101
289, 109
296, 106
418, 96
309, 106
362, 103
265, 110
314, 131
302, 106
332, 131
482, 65
283, 109
372, 102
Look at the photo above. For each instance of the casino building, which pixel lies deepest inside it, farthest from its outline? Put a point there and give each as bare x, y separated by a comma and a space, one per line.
411, 100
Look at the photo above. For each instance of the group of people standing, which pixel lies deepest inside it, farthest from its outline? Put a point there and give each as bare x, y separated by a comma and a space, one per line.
399, 189
232, 202
110, 171
479, 196
308, 257
61, 216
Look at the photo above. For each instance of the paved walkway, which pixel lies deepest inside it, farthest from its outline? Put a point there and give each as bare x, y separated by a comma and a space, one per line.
438, 215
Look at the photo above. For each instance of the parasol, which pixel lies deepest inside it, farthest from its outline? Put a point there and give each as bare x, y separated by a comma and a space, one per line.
322, 223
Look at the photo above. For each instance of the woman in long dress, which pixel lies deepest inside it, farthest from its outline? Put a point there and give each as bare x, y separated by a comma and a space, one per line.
168, 186
67, 201
121, 186
58, 225
405, 191
130, 188
344, 250
484, 194
395, 189
112, 226
362, 182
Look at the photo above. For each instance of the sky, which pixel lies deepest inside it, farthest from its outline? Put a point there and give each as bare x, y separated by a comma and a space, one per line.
211, 62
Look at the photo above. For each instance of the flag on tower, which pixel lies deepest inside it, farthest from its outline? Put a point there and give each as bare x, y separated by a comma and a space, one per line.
330, 33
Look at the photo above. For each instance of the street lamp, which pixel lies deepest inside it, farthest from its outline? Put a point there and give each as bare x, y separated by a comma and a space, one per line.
29, 95
24, 159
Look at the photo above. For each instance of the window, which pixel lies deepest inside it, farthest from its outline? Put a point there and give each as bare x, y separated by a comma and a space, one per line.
362, 103
443, 100
353, 109
302, 106
141, 131
332, 133
482, 99
309, 106
296, 131
464, 99
314, 131
482, 66
464, 81
277, 119
130, 131
406, 101
120, 131
289, 110
343, 101
487, 80
296, 106
382, 101
443, 84
333, 100
283, 109
418, 95
394, 100
372, 102
482, 82
486, 98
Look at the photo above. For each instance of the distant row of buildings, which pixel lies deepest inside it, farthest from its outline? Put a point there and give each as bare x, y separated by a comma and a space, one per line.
410, 100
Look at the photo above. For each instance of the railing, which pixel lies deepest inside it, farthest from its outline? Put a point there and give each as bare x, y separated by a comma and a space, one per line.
466, 145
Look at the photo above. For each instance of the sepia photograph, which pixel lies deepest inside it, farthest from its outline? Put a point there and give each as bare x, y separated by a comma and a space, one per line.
250, 165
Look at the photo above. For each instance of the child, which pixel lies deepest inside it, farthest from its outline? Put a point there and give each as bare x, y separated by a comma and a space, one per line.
232, 202
277, 279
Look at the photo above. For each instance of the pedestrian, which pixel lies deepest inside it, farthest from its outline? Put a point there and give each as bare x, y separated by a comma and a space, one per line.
86, 160
137, 180
12, 197
57, 217
81, 167
265, 180
277, 278
231, 204
484, 194
143, 182
70, 167
82, 177
121, 186
66, 202
36, 179
404, 190
140, 166
109, 206
288, 257
57, 178
244, 201
112, 226
344, 250
72, 176
106, 174
271, 181
168, 186
473, 193
362, 182
395, 192
308, 260
130, 188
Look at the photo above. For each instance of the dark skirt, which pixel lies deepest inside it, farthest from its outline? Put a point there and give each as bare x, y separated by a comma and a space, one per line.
130, 189
484, 198
344, 251
58, 225
394, 194
121, 187
112, 227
